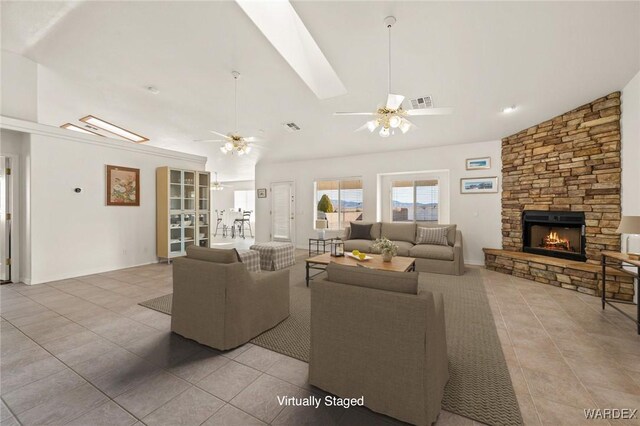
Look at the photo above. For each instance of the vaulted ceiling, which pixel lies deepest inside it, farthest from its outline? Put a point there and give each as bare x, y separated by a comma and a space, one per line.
478, 57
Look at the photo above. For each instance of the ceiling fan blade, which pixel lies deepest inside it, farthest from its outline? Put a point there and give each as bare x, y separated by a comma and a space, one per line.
406, 125
219, 134
394, 101
208, 140
354, 113
430, 111
253, 139
363, 127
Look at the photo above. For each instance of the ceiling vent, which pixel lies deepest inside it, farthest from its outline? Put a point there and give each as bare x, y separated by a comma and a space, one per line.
421, 103
291, 127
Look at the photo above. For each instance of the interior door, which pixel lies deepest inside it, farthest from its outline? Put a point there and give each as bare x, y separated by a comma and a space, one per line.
5, 220
282, 211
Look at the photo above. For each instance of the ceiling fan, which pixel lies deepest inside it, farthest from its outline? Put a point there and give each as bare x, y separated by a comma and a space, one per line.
233, 142
392, 116
215, 185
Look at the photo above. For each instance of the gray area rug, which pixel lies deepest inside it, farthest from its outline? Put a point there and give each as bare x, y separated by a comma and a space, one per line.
479, 386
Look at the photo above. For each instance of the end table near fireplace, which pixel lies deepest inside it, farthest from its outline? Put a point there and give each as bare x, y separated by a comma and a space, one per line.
625, 258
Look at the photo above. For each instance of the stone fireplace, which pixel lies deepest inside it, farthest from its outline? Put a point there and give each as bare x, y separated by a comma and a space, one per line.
561, 199
554, 233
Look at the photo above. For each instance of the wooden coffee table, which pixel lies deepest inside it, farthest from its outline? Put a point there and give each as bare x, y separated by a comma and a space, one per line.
320, 262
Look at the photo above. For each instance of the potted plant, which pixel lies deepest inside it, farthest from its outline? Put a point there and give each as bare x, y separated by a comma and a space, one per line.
386, 248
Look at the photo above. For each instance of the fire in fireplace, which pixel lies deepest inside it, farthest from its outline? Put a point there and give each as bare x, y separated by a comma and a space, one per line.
557, 234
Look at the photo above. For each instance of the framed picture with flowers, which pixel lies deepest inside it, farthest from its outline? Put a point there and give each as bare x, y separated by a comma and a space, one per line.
123, 186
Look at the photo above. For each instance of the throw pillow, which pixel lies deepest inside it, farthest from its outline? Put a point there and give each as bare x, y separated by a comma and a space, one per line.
360, 231
437, 236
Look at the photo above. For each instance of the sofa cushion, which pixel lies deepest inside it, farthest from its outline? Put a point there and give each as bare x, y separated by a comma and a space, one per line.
374, 234
403, 247
399, 231
432, 235
400, 282
212, 254
360, 245
431, 251
360, 231
451, 230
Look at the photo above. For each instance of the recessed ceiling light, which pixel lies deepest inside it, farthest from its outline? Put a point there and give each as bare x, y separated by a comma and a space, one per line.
509, 109
112, 128
75, 128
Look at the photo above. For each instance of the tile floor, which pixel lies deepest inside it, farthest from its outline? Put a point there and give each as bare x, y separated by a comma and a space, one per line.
82, 352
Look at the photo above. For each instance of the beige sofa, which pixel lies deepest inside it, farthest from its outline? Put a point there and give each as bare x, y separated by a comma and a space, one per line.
218, 303
373, 334
440, 259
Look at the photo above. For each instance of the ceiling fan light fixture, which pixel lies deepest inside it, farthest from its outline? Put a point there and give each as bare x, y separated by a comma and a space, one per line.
384, 132
228, 146
395, 121
405, 126
372, 125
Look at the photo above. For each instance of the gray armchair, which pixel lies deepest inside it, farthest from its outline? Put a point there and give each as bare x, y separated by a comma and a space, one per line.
218, 303
373, 334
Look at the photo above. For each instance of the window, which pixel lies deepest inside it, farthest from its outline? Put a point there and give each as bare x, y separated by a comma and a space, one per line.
414, 200
339, 201
244, 200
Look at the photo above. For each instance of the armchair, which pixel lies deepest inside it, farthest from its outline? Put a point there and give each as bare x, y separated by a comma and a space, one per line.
218, 303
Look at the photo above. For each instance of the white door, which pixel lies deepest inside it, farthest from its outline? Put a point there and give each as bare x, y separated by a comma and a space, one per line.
5, 221
282, 211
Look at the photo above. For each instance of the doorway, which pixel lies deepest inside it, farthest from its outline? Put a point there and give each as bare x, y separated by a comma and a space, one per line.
6, 215
282, 211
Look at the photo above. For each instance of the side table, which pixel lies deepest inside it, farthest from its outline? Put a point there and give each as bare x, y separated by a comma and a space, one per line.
319, 245
624, 257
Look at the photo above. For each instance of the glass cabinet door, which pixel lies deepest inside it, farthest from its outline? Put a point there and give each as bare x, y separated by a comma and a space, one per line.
189, 228
175, 190
175, 234
203, 191
203, 229
189, 193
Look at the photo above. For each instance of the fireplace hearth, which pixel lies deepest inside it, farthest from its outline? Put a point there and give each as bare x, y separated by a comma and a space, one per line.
554, 233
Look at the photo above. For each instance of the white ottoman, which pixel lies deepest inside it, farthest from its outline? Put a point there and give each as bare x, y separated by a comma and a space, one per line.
275, 255
251, 259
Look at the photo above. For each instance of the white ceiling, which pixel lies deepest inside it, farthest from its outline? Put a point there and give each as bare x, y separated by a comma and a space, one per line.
478, 57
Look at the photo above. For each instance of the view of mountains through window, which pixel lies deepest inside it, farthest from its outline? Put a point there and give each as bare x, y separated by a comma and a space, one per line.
339, 201
414, 200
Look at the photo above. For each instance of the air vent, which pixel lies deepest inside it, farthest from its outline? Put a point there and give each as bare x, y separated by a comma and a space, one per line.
291, 127
421, 103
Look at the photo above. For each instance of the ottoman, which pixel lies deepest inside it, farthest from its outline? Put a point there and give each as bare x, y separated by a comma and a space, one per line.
275, 255
250, 258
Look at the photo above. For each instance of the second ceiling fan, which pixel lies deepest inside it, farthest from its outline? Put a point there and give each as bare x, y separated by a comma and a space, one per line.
392, 116
233, 142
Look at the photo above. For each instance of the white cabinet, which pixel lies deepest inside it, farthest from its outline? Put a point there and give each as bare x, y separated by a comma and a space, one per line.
182, 211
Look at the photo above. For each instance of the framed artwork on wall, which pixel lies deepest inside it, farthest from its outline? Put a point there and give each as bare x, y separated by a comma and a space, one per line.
262, 192
481, 185
478, 163
123, 186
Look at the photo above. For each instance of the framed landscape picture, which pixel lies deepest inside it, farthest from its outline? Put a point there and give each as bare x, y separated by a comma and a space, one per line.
478, 163
123, 186
481, 185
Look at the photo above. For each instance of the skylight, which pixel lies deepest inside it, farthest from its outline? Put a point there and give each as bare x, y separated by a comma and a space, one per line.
282, 26
75, 128
112, 128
